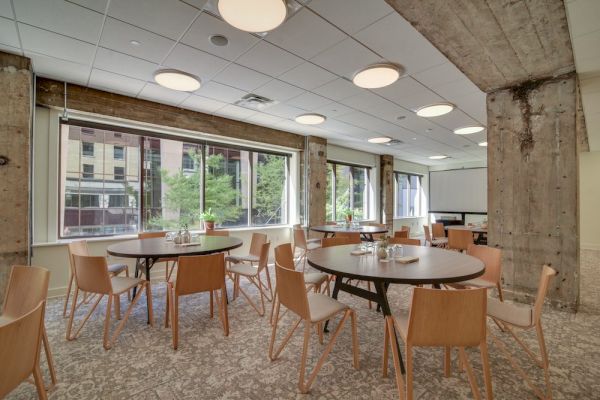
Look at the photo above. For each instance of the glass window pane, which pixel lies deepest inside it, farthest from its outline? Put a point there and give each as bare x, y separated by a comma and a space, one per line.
342, 190
270, 189
330, 195
360, 193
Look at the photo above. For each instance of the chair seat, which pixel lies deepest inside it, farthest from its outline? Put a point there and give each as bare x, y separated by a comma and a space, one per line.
508, 312
313, 245
116, 268
323, 307
241, 259
476, 283
315, 278
243, 269
122, 284
316, 240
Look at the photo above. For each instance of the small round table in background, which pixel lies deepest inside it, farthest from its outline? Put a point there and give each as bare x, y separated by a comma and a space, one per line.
366, 231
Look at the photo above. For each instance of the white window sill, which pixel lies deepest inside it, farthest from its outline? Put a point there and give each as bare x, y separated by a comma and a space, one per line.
399, 218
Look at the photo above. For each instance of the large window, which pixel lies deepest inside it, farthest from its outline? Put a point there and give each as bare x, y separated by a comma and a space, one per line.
145, 183
408, 195
347, 189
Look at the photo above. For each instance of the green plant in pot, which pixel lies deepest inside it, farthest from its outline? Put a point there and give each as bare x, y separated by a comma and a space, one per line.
209, 219
348, 214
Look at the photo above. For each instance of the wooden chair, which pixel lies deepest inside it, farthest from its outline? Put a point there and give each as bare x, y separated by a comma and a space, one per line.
20, 351
354, 237
253, 275
173, 261
433, 242
313, 309
27, 287
91, 276
401, 234
407, 241
80, 247
377, 236
438, 230
197, 274
338, 241
220, 232
258, 239
304, 246
525, 317
459, 239
314, 240
440, 318
492, 277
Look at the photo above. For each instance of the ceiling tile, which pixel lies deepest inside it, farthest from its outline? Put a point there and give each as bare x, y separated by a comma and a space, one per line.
96, 5
235, 112
455, 119
474, 105
168, 18
409, 94
283, 111
8, 33
196, 62
333, 110
269, 59
115, 83
241, 77
459, 88
396, 39
199, 4
338, 126
62, 17
202, 104
264, 119
220, 92
10, 49
308, 101
351, 15
305, 34
307, 76
50, 67
369, 122
198, 36
123, 64
587, 52
278, 90
338, 89
117, 35
439, 75
55, 45
163, 95
346, 58
6, 9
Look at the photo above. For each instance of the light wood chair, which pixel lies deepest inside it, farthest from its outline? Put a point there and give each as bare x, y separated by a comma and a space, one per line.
91, 276
492, 277
314, 240
440, 318
377, 236
80, 247
214, 232
512, 316
168, 269
20, 351
438, 230
407, 241
338, 241
197, 274
305, 247
252, 273
443, 242
258, 239
354, 237
401, 234
313, 309
27, 287
459, 239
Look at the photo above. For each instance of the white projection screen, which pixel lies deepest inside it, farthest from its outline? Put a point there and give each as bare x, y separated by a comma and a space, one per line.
458, 190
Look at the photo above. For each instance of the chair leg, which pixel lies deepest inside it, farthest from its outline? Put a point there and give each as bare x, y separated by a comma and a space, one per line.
369, 288
73, 305
447, 362
117, 307
69, 327
49, 358
301, 386
211, 304
224, 313
391, 332
545, 361
69, 286
175, 320
500, 295
39, 382
106, 340
409, 372
386, 346
472, 380
273, 307
145, 286
129, 291
273, 355
355, 349
269, 282
487, 375
168, 306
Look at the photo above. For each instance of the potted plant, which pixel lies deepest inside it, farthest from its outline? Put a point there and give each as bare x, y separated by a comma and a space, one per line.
348, 214
209, 219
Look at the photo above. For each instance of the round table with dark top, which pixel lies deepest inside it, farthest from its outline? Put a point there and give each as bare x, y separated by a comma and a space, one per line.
366, 231
435, 266
148, 251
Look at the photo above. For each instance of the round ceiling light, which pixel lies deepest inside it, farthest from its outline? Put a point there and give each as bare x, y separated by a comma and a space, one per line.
483, 144
437, 157
253, 15
377, 75
467, 130
310, 119
177, 80
435, 110
379, 140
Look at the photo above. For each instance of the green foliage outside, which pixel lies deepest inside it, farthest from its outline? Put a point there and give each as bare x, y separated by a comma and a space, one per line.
269, 189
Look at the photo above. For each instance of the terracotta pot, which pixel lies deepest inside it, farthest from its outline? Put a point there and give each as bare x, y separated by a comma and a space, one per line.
209, 226
348, 218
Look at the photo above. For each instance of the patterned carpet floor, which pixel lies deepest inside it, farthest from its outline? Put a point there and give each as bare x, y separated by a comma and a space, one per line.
207, 365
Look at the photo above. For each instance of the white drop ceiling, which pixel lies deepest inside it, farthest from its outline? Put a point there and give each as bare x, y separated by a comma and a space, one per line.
306, 65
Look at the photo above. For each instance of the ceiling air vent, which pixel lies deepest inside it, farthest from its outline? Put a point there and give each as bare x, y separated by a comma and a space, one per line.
255, 102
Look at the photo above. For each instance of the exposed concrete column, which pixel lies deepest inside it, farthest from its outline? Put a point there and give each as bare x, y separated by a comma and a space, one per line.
316, 184
15, 121
386, 191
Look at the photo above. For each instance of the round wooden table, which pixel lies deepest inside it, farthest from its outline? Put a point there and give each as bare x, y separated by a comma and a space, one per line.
148, 251
435, 266
366, 231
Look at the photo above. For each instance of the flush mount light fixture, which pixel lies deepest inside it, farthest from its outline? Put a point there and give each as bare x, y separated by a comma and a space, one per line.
134, 42
310, 119
253, 15
177, 80
483, 144
377, 75
379, 140
437, 157
435, 110
467, 130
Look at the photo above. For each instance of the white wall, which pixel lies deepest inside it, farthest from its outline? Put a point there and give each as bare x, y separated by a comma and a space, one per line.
589, 200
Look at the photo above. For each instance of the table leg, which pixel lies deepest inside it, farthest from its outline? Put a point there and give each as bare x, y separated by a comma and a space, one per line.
386, 285
381, 288
136, 274
148, 300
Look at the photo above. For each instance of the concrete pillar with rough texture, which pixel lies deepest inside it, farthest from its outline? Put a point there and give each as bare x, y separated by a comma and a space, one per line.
316, 184
386, 191
15, 124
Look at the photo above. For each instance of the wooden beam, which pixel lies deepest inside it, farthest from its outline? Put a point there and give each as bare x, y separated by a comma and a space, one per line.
50, 93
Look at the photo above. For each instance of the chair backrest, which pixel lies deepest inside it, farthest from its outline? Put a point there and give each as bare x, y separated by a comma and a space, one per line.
353, 237
151, 235
401, 234
547, 274
263, 259
337, 241
27, 286
377, 236
438, 230
197, 274
299, 238
78, 247
401, 240
284, 256
459, 239
258, 239
20, 348
427, 233
220, 232
447, 317
292, 290
492, 259
297, 226
91, 274
405, 228
331, 223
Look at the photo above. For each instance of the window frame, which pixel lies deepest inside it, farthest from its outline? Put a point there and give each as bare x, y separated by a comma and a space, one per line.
366, 202
409, 175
